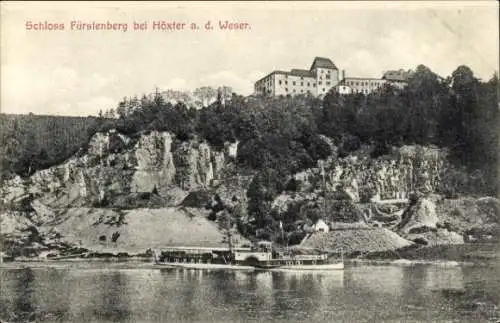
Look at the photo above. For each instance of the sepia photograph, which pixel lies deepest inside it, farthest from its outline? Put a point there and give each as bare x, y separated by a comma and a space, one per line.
241, 161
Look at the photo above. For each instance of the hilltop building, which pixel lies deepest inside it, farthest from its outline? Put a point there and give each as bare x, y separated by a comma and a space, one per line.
318, 80
321, 78
363, 85
397, 78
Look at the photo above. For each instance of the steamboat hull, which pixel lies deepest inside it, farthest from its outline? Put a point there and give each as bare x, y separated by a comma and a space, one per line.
204, 266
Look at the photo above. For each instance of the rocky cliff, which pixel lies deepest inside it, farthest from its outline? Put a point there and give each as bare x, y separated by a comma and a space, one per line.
116, 175
113, 173
377, 191
393, 176
116, 169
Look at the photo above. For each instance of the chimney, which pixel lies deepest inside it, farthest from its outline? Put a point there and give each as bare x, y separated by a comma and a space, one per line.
342, 76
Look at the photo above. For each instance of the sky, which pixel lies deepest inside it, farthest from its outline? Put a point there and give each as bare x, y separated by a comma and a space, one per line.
71, 72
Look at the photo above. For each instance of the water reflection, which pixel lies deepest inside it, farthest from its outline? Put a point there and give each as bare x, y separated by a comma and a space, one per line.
357, 294
447, 279
24, 302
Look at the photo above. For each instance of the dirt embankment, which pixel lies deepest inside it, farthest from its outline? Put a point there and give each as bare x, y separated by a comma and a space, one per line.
79, 231
355, 238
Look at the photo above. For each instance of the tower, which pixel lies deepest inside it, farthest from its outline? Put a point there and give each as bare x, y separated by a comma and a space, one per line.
326, 74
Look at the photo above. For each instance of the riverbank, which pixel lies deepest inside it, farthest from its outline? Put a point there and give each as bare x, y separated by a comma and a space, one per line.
443, 256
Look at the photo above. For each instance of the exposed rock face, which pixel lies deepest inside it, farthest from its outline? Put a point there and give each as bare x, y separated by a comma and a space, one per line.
475, 218
405, 170
155, 163
420, 215
194, 165
152, 170
115, 167
435, 220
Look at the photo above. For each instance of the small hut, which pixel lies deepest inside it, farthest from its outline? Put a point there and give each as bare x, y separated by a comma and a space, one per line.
321, 226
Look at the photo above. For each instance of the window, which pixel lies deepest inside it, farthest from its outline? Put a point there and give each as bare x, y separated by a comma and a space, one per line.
301, 83
280, 82
323, 89
293, 83
328, 76
286, 82
301, 91
319, 83
308, 84
286, 89
327, 83
314, 84
294, 91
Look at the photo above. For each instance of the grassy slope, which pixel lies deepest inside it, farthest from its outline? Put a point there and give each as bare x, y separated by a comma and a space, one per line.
140, 229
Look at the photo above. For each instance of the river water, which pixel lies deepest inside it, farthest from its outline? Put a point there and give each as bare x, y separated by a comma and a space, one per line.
102, 292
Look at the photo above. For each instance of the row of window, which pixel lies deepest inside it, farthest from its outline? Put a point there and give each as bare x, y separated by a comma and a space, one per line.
363, 83
302, 83
301, 90
264, 90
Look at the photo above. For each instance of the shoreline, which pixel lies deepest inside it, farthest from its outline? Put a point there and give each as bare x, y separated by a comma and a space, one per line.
139, 263
444, 255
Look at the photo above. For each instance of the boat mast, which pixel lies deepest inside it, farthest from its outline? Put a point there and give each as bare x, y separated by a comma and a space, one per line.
324, 190
228, 229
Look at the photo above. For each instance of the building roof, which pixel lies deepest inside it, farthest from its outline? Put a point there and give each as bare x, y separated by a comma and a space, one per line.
319, 62
322, 62
300, 72
400, 75
293, 72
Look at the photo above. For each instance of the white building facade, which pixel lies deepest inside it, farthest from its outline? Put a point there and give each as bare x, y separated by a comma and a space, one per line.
318, 80
321, 78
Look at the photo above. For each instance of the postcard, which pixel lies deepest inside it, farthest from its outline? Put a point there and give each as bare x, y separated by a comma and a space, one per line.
268, 161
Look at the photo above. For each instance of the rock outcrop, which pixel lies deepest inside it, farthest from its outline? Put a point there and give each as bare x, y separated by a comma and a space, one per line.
436, 220
115, 167
114, 172
419, 216
394, 176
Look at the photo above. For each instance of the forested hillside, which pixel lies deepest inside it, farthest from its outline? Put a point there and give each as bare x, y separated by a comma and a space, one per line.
436, 137
31, 142
280, 136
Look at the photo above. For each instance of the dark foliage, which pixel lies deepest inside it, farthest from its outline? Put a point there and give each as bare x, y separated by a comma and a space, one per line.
280, 136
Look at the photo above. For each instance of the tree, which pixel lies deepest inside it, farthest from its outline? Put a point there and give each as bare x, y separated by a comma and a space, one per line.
205, 95
464, 104
226, 225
